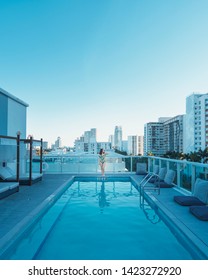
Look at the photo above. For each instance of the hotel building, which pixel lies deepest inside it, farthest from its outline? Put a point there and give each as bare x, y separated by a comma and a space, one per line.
196, 123
164, 135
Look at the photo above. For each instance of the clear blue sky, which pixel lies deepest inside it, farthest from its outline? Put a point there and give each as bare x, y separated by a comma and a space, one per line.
84, 64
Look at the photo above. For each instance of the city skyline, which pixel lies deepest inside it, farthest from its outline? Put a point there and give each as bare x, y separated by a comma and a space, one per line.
82, 64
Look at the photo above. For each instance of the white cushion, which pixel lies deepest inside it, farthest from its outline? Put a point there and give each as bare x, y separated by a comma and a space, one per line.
162, 173
201, 190
169, 177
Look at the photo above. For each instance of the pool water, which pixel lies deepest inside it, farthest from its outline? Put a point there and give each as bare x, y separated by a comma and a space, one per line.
101, 221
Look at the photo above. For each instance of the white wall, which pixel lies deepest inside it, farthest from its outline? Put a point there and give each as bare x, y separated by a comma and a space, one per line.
16, 118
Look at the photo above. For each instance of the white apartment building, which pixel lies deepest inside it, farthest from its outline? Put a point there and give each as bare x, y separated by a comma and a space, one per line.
12, 115
87, 143
196, 123
90, 136
173, 134
141, 145
103, 145
133, 145
164, 135
153, 138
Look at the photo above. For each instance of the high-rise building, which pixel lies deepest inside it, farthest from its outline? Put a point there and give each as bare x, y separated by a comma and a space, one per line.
118, 138
164, 135
196, 123
140, 145
133, 145
173, 134
154, 138
58, 143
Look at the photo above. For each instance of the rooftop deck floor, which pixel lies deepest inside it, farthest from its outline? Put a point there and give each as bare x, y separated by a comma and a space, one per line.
17, 206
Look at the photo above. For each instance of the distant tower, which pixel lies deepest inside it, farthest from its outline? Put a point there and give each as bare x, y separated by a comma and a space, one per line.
58, 142
118, 137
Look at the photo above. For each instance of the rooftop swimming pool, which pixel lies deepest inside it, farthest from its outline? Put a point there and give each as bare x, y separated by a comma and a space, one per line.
100, 219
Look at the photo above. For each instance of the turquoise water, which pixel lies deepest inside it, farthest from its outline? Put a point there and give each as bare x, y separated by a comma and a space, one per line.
101, 221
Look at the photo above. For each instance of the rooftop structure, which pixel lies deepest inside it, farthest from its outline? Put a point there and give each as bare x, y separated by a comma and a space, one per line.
12, 115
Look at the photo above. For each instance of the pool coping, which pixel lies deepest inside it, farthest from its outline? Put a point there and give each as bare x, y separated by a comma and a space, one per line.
185, 233
15, 234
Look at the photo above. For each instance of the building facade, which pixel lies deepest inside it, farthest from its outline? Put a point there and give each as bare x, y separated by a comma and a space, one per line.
141, 145
153, 138
118, 138
173, 134
13, 115
133, 145
58, 143
164, 135
196, 123
87, 143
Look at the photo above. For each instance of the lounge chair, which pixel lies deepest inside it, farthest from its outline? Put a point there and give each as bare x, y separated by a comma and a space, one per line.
201, 212
199, 197
8, 175
151, 177
159, 176
8, 188
167, 182
154, 181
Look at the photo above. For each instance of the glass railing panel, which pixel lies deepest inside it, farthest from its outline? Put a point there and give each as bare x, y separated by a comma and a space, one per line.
186, 176
173, 166
36, 156
52, 164
127, 164
201, 172
24, 158
163, 163
68, 164
151, 164
88, 164
136, 160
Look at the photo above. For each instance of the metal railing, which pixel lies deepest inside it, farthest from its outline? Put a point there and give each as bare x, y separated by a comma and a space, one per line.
186, 172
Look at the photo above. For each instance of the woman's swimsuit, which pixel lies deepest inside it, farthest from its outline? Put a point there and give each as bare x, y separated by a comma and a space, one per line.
102, 159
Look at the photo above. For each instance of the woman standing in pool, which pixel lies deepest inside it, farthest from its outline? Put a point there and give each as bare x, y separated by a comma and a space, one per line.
102, 160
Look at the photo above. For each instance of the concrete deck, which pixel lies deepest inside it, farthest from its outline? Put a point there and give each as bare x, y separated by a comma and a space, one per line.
17, 206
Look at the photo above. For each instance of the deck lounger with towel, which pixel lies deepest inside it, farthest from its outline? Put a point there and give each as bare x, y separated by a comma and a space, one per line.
199, 197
